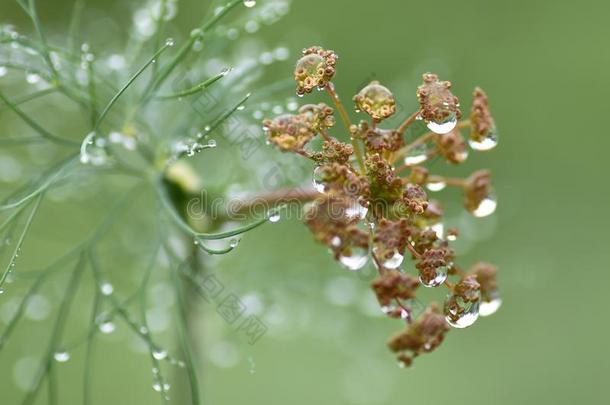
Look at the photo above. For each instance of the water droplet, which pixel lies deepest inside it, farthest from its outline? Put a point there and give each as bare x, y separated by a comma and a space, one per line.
1, 290
32, 78
486, 207
143, 330
356, 211
488, 142
393, 262
317, 179
159, 354
443, 127
92, 150
441, 276
107, 327
355, 259
335, 241
249, 3
436, 186
157, 386
490, 307
170, 42
241, 108
274, 217
234, 242
106, 288
417, 155
61, 356
459, 313
3, 71
439, 229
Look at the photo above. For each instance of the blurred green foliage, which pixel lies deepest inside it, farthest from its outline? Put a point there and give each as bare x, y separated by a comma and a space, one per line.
544, 66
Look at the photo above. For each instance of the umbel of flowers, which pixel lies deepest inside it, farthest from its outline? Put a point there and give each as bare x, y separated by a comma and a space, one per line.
372, 205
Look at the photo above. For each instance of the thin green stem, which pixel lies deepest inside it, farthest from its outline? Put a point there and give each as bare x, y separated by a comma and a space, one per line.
126, 86
184, 338
17, 250
185, 49
34, 125
195, 89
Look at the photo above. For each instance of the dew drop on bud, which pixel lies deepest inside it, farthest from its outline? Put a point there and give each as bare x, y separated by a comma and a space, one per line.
436, 186
249, 3
393, 262
61, 356
317, 179
461, 314
488, 142
490, 307
443, 127
354, 259
440, 277
486, 207
417, 155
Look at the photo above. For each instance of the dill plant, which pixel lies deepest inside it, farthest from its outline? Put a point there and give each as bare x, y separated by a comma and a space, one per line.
102, 140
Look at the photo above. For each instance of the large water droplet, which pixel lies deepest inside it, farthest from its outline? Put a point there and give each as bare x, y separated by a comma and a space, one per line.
488, 142
490, 307
92, 150
436, 186
417, 155
441, 276
443, 127
249, 3
393, 262
486, 207
356, 211
459, 313
317, 179
355, 259
61, 356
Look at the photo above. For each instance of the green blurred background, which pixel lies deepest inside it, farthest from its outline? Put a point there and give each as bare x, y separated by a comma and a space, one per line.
545, 68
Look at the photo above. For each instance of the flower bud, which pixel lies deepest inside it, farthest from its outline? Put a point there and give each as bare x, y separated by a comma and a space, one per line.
288, 132
439, 107
376, 100
452, 146
315, 69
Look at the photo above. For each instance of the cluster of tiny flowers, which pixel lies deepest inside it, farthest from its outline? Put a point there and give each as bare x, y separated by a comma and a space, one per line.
372, 204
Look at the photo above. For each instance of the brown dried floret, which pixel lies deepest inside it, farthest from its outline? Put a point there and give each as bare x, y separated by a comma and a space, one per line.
452, 146
415, 199
394, 285
430, 262
384, 184
320, 116
288, 132
468, 289
376, 100
422, 336
434, 211
486, 276
390, 237
477, 188
329, 220
438, 104
339, 179
423, 239
334, 151
379, 140
315, 69
481, 120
